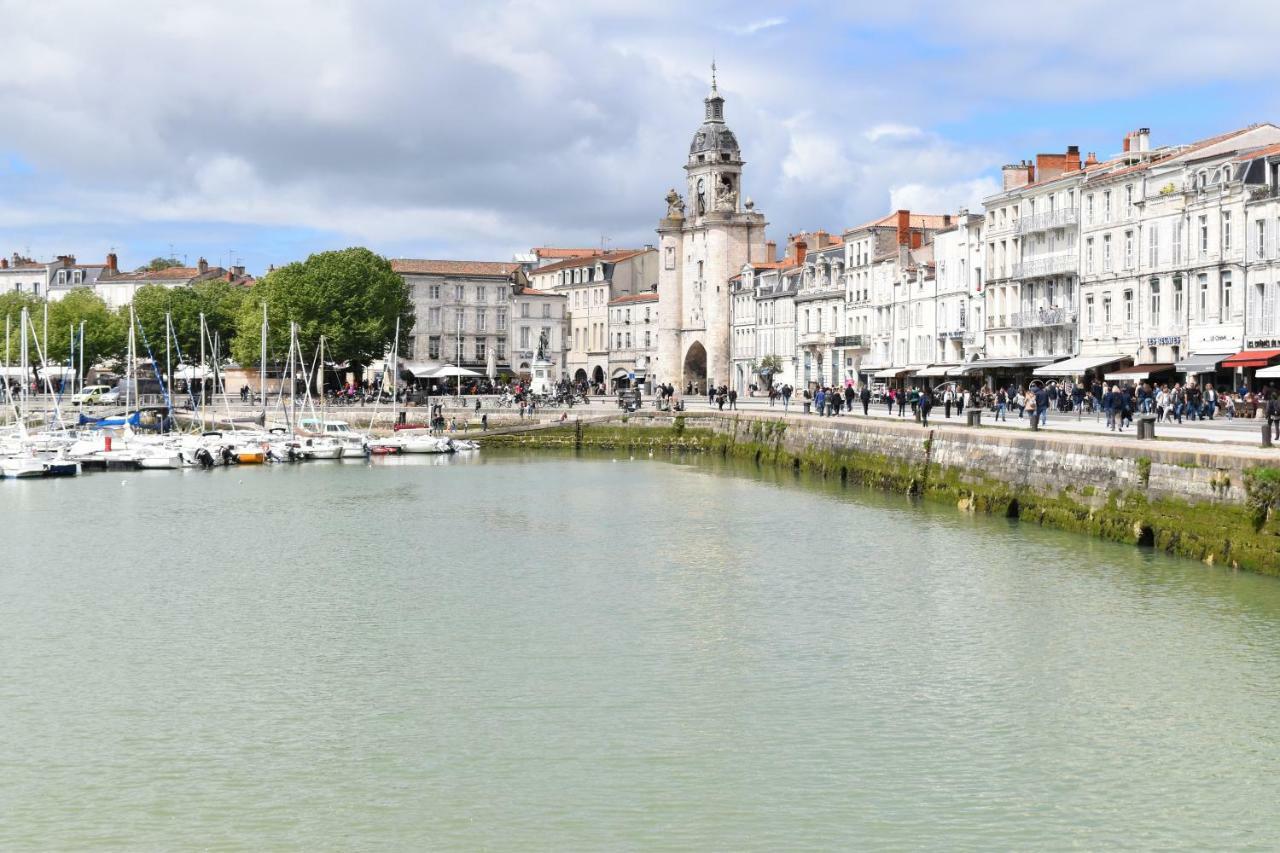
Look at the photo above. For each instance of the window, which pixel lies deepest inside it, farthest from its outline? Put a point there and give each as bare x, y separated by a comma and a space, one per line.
524, 337
482, 293
1106, 253
1177, 241
62, 276
1088, 311
1204, 235
481, 352
1089, 208
459, 293
1106, 206
1128, 306
1259, 238
502, 349
1088, 253
433, 347
647, 342
502, 320
1224, 297
433, 291
1128, 201
1226, 231
546, 310
433, 318
1154, 294
1128, 250
1106, 309
482, 320
1202, 307
77, 277
1153, 246
524, 309
1177, 298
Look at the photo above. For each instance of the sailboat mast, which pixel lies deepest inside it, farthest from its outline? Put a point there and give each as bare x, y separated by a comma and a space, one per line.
81, 351
262, 371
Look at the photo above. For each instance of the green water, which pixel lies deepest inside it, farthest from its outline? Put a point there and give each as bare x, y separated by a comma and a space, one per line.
552, 653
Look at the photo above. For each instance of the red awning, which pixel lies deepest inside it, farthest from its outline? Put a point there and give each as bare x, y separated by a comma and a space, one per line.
1252, 358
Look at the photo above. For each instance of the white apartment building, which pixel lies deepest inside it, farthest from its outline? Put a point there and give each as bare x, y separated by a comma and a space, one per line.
772, 286
590, 283
958, 305
882, 258
633, 341
1165, 257
1032, 267
1262, 219
820, 308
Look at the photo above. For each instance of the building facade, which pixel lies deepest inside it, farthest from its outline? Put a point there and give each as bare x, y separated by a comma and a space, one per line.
589, 283
633, 341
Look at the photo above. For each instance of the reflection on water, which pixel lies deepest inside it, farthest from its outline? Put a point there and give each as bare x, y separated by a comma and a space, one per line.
511, 651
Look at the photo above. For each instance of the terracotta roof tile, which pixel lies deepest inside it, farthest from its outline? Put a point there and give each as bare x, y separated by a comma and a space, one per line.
612, 257
648, 296
529, 291
413, 266
552, 252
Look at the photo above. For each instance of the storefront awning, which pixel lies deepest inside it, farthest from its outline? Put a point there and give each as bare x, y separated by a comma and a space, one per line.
1200, 362
1268, 373
1078, 365
1025, 361
1138, 372
890, 372
1252, 358
937, 370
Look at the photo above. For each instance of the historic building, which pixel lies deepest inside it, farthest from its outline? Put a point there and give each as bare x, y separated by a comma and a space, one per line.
958, 309
51, 279
590, 282
463, 311
633, 340
704, 242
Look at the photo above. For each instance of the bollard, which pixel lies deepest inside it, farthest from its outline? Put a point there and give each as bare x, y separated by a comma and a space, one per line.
974, 417
1035, 421
1266, 433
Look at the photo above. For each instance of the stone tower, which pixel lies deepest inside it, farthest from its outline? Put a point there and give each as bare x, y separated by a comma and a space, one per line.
704, 242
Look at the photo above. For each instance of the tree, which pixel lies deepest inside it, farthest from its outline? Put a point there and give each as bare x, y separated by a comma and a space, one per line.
220, 302
159, 264
768, 367
352, 297
11, 305
104, 333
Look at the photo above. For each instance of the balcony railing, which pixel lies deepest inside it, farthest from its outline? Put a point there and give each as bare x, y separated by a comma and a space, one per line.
816, 339
1048, 219
850, 341
1061, 262
1044, 317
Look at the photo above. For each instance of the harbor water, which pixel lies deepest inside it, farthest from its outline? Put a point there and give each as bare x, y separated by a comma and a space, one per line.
514, 652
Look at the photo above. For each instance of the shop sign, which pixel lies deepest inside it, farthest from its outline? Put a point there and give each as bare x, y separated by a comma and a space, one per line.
1262, 343
1166, 341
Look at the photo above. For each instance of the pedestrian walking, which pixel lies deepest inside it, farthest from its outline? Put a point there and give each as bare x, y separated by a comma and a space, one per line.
865, 396
925, 404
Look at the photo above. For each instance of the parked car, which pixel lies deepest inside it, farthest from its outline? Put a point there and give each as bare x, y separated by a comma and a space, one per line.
90, 394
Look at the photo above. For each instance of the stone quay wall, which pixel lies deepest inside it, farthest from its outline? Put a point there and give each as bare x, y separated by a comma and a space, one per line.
1216, 503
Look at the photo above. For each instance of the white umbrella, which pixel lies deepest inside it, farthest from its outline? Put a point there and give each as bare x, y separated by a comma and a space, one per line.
447, 370
191, 371
491, 365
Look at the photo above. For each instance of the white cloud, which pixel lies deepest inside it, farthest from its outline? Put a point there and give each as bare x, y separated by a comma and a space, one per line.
890, 130
943, 198
757, 26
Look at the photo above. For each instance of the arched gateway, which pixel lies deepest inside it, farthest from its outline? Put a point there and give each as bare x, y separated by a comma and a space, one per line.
695, 367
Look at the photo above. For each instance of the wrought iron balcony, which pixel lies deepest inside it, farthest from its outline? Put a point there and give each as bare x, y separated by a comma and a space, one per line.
1055, 264
851, 341
1047, 220
1044, 317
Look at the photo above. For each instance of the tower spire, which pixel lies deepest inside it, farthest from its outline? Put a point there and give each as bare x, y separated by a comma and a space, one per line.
713, 72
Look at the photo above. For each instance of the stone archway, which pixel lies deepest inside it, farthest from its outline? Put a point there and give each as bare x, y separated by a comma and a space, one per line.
580, 375
597, 375
695, 368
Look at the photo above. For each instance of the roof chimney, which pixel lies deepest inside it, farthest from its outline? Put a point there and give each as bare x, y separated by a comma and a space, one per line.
113, 265
771, 251
202, 265
904, 227
4, 263
802, 249
1073, 158
1091, 160
946, 219
1018, 175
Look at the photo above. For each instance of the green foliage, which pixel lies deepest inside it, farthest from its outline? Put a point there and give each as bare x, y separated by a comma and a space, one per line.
11, 305
220, 302
1262, 493
768, 367
159, 264
352, 297
1144, 470
677, 425
104, 330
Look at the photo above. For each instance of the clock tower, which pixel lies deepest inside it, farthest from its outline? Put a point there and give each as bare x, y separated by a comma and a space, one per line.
704, 242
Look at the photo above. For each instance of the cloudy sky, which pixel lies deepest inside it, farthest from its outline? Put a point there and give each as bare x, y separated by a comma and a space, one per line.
268, 130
